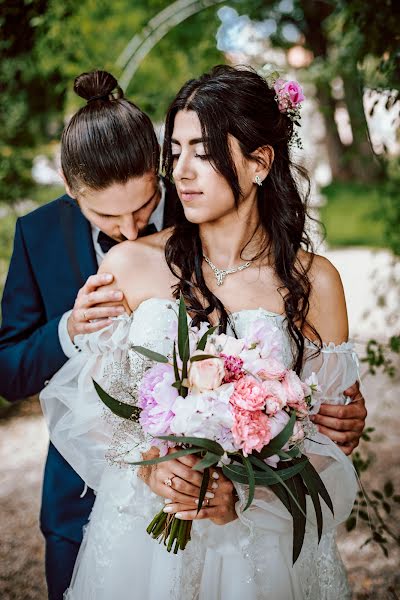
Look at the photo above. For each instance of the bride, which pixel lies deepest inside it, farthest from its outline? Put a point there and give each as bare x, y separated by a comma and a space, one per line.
238, 253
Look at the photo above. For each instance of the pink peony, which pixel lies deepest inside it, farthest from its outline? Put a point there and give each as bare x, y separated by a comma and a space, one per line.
248, 394
276, 397
206, 374
156, 398
251, 430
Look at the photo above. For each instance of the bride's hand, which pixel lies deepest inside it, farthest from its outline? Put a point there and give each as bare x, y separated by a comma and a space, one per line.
175, 479
219, 502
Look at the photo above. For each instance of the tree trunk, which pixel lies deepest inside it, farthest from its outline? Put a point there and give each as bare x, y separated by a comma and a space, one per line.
361, 161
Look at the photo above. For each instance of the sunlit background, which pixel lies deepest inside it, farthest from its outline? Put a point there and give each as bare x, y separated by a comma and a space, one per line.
346, 56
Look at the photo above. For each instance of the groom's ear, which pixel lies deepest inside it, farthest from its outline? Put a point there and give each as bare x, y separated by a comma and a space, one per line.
67, 188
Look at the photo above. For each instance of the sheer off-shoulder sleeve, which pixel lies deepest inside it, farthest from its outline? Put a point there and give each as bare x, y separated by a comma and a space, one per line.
336, 367
80, 427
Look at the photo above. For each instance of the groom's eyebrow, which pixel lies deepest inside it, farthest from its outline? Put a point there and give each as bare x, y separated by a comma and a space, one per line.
100, 214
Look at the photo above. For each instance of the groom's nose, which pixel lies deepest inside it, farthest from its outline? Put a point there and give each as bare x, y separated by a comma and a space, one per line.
128, 227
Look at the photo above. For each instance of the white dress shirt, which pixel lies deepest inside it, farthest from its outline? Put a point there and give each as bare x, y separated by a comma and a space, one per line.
156, 219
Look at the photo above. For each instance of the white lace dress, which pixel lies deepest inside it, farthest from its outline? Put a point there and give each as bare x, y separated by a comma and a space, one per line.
249, 558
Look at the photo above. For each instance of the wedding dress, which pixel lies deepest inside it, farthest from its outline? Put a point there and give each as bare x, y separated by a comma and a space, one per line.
247, 559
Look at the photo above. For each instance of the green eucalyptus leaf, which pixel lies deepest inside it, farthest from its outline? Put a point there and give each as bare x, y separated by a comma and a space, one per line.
175, 363
203, 488
198, 357
209, 460
183, 334
203, 443
280, 440
250, 474
203, 340
167, 457
121, 409
150, 354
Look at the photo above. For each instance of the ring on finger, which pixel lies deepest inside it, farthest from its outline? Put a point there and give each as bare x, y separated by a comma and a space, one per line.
84, 316
169, 480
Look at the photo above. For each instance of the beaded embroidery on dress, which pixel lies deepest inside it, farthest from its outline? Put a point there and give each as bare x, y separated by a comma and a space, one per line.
248, 558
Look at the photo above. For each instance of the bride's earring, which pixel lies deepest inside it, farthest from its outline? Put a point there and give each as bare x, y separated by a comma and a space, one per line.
258, 180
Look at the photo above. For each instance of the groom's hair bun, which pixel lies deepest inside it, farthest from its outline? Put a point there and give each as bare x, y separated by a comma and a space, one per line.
97, 85
108, 140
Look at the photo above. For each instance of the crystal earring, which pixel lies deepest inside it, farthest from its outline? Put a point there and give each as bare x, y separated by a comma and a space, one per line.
258, 180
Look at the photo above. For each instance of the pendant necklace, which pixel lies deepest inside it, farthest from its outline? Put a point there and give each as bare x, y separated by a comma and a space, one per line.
220, 274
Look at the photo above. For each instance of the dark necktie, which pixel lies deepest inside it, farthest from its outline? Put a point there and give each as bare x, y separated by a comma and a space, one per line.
106, 242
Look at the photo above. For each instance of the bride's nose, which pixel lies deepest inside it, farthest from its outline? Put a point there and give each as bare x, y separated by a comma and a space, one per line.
183, 168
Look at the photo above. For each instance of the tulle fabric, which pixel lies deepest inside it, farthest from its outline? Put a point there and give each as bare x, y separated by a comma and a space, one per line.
248, 558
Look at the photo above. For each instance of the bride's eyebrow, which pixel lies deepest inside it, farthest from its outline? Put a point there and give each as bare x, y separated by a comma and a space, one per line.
192, 142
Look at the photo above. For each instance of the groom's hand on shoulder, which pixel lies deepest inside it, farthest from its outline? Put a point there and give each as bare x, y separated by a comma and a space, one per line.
97, 301
344, 424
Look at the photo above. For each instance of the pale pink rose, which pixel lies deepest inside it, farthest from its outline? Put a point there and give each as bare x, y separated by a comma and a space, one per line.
206, 374
294, 92
270, 369
298, 432
276, 396
294, 388
251, 430
249, 394
278, 422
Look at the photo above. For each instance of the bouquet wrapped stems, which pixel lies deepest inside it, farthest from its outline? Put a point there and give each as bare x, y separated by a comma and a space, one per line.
174, 532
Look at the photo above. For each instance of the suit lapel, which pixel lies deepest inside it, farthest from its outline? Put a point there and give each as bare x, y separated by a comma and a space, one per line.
77, 240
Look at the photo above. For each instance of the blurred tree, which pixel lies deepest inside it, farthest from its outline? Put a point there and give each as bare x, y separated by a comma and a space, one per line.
30, 99
338, 46
47, 43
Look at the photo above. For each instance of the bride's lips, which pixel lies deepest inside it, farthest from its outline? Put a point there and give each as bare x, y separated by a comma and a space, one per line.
188, 195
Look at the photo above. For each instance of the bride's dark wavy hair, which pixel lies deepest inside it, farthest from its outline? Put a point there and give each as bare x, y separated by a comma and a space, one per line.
238, 101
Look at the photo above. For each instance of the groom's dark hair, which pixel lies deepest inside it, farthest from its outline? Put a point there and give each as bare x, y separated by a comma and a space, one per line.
109, 140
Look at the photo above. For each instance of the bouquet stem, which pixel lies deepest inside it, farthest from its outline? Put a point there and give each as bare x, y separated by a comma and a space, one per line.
174, 532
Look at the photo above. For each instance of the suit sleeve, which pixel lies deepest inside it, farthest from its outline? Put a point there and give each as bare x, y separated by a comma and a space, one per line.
30, 350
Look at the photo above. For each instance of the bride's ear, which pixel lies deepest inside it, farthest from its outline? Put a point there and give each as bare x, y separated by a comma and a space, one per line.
262, 163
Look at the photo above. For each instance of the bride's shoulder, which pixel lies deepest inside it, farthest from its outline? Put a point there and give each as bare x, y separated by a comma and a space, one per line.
323, 275
139, 268
327, 305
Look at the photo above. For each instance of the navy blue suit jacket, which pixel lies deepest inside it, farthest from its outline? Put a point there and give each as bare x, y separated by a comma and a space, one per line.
52, 258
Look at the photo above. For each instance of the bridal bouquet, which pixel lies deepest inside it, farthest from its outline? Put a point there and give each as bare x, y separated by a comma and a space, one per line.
234, 404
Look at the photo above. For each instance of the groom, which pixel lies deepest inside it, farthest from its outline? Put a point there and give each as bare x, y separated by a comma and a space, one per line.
51, 295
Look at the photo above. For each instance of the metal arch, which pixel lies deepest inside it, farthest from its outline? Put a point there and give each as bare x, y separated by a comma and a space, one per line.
142, 43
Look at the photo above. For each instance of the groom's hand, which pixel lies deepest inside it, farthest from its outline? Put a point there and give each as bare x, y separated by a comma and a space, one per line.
344, 424
87, 315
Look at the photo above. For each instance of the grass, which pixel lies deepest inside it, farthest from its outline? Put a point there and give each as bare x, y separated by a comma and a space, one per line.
350, 215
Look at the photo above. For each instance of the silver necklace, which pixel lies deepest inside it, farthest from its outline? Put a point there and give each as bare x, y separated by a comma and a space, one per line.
220, 274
